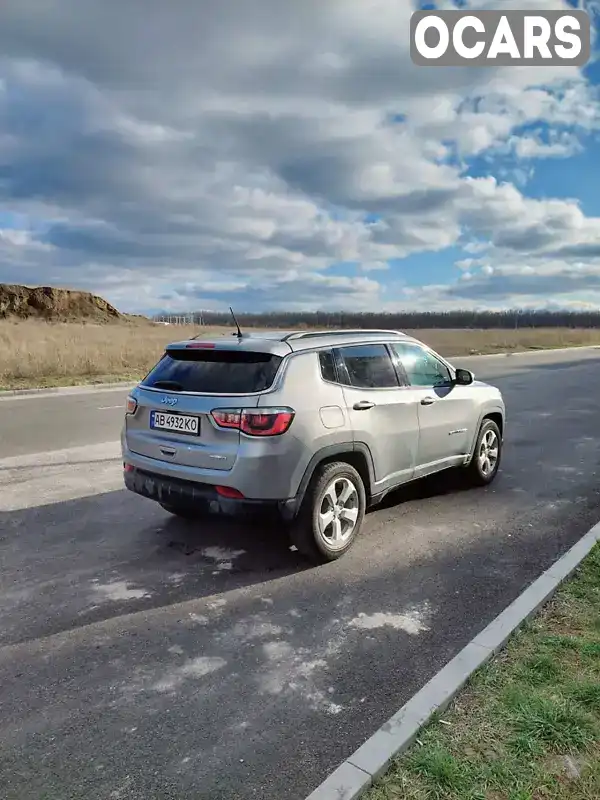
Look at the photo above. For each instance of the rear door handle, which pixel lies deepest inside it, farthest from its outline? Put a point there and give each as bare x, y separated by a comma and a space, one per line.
428, 401
363, 405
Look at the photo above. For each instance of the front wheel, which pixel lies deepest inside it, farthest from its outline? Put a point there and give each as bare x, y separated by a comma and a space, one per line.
331, 514
486, 458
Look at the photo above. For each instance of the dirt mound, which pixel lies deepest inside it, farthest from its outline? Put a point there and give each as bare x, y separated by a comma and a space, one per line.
55, 305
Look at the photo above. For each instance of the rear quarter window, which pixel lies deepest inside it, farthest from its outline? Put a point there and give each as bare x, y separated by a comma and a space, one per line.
327, 366
214, 371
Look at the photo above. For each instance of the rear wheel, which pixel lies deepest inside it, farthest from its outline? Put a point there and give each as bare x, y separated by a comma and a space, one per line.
486, 458
331, 514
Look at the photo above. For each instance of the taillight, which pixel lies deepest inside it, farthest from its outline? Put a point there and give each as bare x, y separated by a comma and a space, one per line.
229, 492
131, 405
227, 417
267, 422
255, 421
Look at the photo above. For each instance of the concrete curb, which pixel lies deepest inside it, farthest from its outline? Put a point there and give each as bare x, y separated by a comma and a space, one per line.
355, 775
103, 387
84, 388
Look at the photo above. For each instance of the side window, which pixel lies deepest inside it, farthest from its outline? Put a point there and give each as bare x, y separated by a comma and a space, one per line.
422, 368
327, 364
369, 366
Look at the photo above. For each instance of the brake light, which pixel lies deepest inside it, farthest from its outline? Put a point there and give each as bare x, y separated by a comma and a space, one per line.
200, 346
255, 421
131, 405
227, 417
269, 422
230, 492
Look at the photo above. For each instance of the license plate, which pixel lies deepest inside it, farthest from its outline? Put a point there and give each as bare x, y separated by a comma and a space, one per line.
178, 423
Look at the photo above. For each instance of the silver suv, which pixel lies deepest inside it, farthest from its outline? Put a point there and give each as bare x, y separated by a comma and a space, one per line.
318, 425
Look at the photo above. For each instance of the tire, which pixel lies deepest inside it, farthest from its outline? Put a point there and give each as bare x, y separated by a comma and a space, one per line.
322, 542
482, 470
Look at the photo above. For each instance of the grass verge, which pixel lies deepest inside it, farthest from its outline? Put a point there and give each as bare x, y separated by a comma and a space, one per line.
527, 726
34, 353
37, 354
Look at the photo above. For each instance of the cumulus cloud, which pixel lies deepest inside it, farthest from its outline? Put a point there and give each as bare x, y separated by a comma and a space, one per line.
170, 153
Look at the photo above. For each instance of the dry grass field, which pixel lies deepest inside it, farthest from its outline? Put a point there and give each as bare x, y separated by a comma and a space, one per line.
35, 353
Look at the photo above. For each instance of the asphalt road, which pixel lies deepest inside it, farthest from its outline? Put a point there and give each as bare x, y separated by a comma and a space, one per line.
142, 657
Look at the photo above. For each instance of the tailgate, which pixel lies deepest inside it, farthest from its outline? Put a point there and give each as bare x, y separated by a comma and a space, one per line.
173, 420
179, 428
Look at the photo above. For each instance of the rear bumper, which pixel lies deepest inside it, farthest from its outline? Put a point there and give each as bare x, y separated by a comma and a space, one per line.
168, 490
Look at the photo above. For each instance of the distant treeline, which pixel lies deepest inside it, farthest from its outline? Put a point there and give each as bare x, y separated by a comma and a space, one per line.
405, 320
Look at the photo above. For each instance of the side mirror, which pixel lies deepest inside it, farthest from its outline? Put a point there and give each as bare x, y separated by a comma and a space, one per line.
463, 377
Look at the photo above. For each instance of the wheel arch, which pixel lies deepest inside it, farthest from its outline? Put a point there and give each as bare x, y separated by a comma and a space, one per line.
357, 454
497, 417
494, 413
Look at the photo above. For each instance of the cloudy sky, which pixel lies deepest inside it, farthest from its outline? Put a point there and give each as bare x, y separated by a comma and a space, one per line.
188, 154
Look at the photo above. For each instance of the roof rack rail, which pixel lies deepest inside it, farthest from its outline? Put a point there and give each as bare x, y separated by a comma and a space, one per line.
342, 332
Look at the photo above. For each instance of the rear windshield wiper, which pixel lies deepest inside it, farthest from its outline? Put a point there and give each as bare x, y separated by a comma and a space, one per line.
168, 385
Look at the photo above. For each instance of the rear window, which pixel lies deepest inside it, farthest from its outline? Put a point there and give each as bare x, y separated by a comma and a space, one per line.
369, 366
214, 371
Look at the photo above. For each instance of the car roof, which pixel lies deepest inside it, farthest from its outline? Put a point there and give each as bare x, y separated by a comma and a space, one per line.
283, 342
309, 339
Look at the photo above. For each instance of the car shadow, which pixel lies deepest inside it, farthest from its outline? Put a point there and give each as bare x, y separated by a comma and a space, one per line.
262, 544
94, 558
450, 481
